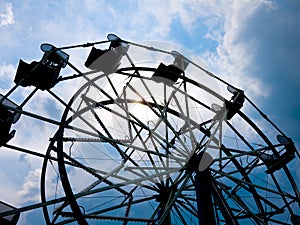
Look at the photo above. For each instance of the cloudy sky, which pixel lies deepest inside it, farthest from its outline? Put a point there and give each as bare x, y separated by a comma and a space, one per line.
252, 44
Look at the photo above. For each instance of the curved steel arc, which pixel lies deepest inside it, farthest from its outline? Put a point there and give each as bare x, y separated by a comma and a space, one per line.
268, 142
264, 209
112, 102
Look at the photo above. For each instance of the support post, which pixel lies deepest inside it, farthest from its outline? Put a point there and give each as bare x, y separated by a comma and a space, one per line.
204, 198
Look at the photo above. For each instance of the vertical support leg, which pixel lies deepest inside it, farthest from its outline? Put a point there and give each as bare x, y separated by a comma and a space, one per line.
204, 198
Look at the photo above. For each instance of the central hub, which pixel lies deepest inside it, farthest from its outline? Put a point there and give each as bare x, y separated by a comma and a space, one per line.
200, 162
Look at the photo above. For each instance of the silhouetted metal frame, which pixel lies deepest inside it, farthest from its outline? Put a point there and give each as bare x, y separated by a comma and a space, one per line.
258, 202
62, 125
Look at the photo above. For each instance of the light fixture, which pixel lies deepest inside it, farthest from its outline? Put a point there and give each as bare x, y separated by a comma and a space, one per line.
179, 60
43, 74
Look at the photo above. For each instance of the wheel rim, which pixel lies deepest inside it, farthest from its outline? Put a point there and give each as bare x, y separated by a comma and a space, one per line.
243, 183
125, 185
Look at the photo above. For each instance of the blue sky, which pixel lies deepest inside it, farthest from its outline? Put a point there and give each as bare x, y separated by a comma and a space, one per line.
252, 44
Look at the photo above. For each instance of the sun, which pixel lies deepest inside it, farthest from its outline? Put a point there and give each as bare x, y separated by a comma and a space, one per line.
143, 113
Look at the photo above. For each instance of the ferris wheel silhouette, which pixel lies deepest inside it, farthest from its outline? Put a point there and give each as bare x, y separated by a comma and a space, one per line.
150, 137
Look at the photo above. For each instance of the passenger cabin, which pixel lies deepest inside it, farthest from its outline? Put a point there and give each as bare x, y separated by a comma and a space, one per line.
167, 74
229, 107
45, 73
170, 74
107, 60
7, 118
236, 102
286, 155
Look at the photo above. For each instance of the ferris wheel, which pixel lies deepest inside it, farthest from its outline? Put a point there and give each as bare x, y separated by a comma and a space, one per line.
151, 137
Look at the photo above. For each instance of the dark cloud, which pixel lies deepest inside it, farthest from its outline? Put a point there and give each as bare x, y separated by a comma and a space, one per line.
273, 36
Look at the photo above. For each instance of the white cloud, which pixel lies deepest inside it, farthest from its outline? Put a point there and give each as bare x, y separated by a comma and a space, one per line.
224, 23
7, 18
6, 71
30, 187
75, 22
234, 57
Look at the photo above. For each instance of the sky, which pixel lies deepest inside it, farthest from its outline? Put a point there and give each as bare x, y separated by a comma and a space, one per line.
253, 45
